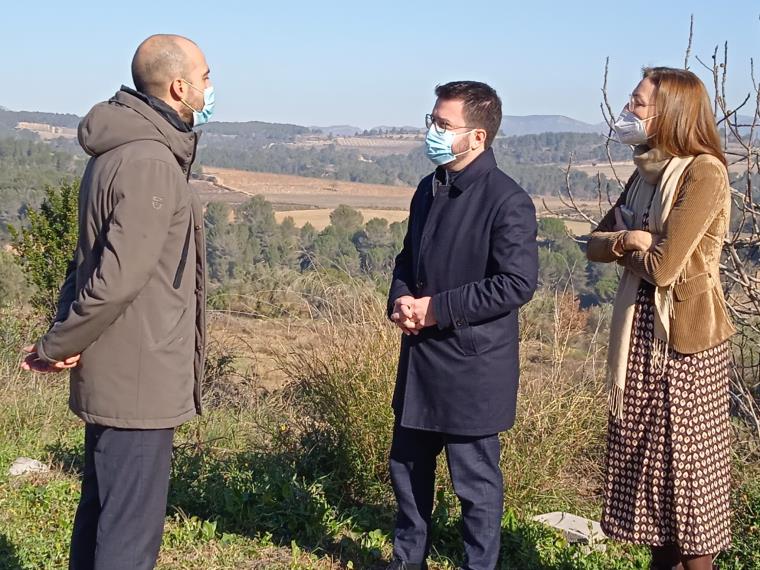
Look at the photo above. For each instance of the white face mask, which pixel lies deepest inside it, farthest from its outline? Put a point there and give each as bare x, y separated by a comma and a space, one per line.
630, 129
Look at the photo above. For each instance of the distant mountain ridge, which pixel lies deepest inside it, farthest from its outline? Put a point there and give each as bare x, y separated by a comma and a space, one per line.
66, 120
9, 119
339, 130
512, 125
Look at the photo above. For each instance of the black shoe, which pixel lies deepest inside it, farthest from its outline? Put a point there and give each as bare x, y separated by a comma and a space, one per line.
397, 564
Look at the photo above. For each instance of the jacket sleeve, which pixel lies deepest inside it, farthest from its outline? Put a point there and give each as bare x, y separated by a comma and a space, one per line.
68, 292
403, 275
703, 191
605, 244
514, 257
132, 241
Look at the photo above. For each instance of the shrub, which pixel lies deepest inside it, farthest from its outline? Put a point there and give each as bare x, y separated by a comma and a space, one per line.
47, 244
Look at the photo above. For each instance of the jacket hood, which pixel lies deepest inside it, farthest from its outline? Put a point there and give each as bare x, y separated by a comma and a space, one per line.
126, 118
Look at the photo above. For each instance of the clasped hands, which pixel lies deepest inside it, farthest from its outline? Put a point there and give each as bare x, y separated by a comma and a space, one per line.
412, 315
33, 363
634, 240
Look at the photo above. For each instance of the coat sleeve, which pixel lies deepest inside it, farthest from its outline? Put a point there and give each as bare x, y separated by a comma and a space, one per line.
131, 245
514, 259
605, 244
703, 191
68, 292
403, 274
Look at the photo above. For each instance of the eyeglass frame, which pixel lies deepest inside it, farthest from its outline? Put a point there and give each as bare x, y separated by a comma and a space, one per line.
430, 121
631, 105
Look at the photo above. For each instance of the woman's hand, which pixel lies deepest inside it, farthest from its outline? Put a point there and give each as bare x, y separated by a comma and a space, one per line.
639, 240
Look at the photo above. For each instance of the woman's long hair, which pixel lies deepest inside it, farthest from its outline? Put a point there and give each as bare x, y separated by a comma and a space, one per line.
684, 124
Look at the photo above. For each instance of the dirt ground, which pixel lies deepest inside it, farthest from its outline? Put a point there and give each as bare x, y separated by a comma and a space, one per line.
311, 192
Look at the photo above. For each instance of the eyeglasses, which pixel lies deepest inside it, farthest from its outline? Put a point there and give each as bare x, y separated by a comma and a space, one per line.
632, 104
441, 127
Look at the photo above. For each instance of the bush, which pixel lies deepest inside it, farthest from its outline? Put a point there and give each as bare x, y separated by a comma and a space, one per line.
47, 244
13, 287
343, 387
744, 553
342, 392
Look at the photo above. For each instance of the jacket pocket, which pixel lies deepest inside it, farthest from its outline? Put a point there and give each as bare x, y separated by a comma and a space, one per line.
693, 286
495, 334
174, 332
466, 340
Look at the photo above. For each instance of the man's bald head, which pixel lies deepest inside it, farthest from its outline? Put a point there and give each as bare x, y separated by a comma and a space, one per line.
162, 59
174, 69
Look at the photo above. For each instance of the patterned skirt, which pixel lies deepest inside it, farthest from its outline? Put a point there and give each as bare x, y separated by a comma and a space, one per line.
668, 465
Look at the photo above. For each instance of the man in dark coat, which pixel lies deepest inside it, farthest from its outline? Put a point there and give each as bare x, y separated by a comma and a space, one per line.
468, 263
131, 317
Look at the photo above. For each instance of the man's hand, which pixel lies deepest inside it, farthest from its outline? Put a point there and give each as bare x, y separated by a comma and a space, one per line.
403, 316
422, 313
639, 240
34, 363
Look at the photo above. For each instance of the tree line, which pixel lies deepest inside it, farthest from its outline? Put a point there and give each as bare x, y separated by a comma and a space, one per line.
528, 166
27, 167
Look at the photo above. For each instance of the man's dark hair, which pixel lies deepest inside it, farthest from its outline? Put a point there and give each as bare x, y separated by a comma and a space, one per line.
482, 106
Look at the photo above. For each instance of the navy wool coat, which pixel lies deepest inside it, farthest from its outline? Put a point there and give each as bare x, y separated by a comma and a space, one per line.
471, 246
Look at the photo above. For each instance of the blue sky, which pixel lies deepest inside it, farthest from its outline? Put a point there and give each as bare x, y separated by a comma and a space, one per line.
371, 63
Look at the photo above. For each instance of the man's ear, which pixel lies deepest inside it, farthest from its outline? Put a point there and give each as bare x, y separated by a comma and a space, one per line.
480, 137
178, 90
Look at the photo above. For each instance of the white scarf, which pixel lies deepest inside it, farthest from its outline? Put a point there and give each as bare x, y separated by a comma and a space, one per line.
654, 189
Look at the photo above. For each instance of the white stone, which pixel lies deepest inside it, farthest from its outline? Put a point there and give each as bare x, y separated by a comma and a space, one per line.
577, 530
24, 465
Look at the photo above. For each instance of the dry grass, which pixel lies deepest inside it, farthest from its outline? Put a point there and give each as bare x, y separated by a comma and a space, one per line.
577, 227
623, 169
323, 193
257, 343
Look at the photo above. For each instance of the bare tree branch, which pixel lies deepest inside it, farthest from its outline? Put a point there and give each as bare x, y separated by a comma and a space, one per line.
688, 47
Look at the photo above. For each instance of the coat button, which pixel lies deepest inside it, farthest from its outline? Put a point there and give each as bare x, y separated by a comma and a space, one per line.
197, 228
420, 284
459, 323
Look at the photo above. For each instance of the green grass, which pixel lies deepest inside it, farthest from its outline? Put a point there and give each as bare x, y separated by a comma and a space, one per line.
297, 479
237, 498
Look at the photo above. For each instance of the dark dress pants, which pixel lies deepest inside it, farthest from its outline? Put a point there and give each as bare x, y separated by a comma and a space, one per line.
474, 468
120, 519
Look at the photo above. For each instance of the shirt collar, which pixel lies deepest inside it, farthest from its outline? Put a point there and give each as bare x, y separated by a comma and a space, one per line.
464, 179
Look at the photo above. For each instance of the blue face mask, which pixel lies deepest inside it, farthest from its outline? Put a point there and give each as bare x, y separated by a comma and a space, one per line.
209, 101
438, 146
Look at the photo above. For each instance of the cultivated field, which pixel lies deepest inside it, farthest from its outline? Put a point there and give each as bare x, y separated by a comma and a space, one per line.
625, 169
280, 189
367, 146
312, 199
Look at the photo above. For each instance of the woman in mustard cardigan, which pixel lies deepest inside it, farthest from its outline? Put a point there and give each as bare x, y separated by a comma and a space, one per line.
668, 443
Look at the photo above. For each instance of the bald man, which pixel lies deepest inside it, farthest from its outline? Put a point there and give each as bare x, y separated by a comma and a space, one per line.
130, 324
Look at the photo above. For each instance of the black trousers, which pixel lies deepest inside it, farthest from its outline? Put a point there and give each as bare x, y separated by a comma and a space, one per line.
120, 518
474, 468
